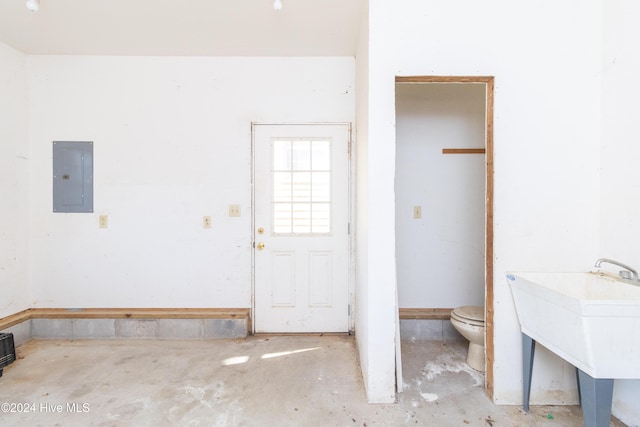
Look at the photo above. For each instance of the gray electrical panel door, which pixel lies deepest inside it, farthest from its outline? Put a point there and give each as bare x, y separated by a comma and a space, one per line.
72, 176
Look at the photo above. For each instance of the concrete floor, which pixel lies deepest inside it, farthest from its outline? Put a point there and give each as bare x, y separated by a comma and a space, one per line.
258, 381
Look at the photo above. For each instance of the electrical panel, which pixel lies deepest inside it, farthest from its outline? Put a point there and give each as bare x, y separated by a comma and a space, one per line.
72, 176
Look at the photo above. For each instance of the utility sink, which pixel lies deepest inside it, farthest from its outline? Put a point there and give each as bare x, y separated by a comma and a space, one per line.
592, 320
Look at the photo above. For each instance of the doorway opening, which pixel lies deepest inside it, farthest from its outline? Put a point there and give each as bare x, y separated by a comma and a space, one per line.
460, 239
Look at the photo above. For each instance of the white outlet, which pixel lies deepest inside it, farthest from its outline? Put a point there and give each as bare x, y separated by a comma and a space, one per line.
103, 221
234, 210
417, 212
206, 222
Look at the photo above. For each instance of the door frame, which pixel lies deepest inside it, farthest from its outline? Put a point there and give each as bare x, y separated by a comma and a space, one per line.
488, 280
350, 215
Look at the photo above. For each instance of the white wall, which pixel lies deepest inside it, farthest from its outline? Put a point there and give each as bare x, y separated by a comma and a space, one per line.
14, 164
375, 312
375, 241
440, 256
620, 200
369, 363
545, 56
171, 144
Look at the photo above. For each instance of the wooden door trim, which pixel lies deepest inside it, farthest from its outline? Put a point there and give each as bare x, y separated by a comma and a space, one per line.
489, 192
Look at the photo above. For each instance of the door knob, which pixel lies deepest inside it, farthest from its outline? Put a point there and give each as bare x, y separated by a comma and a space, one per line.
260, 246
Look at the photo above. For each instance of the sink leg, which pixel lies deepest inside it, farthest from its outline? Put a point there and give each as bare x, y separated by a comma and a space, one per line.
579, 393
528, 350
596, 398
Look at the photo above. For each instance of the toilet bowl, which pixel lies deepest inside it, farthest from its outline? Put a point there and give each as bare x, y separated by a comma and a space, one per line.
469, 321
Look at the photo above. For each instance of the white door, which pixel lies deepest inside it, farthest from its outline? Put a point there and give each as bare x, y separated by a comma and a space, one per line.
301, 227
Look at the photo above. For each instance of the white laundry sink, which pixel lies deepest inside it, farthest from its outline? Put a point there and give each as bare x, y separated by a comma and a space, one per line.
592, 320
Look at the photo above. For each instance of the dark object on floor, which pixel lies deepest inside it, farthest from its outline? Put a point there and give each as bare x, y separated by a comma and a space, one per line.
7, 350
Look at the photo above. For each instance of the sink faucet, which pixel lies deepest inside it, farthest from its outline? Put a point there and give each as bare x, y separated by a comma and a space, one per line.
630, 273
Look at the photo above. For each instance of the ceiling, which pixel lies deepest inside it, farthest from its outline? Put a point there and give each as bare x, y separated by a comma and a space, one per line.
183, 27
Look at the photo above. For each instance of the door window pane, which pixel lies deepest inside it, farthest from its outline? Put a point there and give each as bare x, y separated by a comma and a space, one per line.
301, 155
320, 217
302, 218
301, 193
301, 187
281, 155
282, 215
321, 189
282, 186
321, 159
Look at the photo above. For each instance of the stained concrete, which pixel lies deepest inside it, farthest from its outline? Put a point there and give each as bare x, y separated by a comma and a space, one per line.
137, 328
257, 381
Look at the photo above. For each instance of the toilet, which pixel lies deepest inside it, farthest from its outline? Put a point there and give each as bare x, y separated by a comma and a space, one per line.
469, 321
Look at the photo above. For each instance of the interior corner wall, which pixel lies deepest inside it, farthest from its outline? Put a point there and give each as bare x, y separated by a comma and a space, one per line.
546, 142
172, 144
14, 168
620, 202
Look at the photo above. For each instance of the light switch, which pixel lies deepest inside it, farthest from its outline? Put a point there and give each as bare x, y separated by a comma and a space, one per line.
206, 222
103, 221
417, 212
234, 210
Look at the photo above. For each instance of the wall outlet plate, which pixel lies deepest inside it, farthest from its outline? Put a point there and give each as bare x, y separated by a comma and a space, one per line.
417, 212
206, 221
234, 210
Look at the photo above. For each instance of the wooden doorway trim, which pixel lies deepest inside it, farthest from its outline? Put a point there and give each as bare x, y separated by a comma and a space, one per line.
488, 281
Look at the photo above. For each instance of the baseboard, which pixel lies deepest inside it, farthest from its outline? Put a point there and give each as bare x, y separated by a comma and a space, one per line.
139, 313
14, 319
80, 323
425, 313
